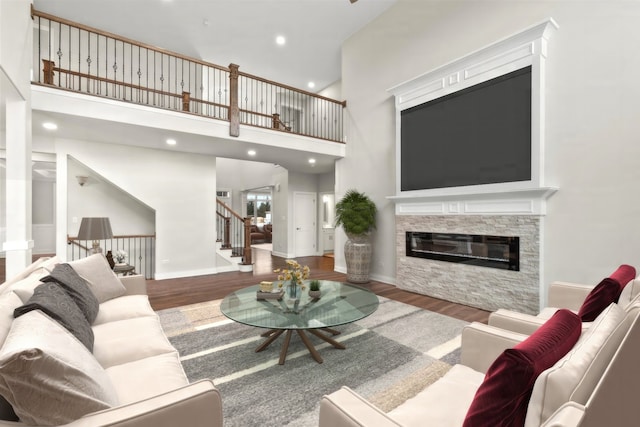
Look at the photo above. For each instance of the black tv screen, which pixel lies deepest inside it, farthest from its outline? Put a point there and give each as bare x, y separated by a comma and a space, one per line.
478, 135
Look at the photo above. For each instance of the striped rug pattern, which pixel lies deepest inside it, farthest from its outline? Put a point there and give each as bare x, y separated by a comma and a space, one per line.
390, 356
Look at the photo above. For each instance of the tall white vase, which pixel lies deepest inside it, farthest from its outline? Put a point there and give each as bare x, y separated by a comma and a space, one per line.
357, 252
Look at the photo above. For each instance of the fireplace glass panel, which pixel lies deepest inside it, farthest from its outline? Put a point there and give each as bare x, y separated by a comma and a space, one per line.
482, 250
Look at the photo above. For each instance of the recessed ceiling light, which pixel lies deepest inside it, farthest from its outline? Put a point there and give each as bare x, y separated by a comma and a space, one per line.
50, 126
280, 40
171, 141
312, 161
251, 152
311, 85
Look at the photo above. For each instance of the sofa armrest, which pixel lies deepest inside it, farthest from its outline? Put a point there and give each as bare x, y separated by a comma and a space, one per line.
136, 285
514, 321
570, 414
345, 408
482, 344
197, 405
568, 295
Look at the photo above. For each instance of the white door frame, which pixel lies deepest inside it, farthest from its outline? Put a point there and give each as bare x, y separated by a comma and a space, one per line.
302, 220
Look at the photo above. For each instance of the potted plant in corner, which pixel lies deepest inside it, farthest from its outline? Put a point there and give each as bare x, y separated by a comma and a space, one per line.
356, 213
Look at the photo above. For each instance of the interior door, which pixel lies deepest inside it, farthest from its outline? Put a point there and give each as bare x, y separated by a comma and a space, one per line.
304, 222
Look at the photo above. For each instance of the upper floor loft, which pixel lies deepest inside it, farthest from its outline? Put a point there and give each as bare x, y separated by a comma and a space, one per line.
72, 61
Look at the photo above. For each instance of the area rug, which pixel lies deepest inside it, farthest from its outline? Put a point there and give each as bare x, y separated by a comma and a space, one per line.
390, 356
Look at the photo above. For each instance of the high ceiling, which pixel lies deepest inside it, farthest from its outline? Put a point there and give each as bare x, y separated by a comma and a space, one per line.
242, 32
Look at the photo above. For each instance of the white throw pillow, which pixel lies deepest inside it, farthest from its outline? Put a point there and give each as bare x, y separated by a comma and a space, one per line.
8, 302
48, 376
554, 386
25, 287
629, 293
102, 281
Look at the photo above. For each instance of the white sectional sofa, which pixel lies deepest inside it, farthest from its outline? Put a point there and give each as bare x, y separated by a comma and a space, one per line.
132, 376
594, 384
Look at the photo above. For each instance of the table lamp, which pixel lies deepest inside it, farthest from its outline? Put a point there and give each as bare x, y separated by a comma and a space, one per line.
95, 229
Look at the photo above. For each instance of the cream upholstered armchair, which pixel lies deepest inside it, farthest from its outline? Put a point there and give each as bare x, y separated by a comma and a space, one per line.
621, 287
595, 383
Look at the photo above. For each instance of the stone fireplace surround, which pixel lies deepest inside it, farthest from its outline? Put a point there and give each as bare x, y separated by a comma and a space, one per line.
486, 288
503, 209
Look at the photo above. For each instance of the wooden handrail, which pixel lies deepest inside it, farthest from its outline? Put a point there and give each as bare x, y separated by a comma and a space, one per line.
45, 15
284, 86
231, 211
116, 82
120, 236
326, 123
246, 225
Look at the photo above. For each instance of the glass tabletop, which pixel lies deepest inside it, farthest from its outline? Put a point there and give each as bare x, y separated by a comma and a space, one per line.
340, 303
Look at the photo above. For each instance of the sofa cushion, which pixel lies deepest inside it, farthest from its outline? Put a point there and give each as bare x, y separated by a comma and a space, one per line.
37, 269
556, 384
74, 285
129, 340
447, 400
606, 292
8, 302
95, 270
503, 397
124, 307
24, 288
629, 293
48, 376
52, 300
623, 274
139, 380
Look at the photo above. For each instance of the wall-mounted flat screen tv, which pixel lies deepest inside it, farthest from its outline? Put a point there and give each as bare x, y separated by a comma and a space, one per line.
478, 135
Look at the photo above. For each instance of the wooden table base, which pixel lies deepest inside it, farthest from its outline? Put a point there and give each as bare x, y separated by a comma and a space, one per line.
273, 334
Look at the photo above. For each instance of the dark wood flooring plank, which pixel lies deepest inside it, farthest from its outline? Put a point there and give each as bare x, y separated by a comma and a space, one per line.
171, 293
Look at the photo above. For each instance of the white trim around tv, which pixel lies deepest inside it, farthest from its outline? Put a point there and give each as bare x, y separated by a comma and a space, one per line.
525, 48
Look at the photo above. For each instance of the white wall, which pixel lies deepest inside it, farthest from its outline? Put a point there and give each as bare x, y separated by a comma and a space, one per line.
100, 198
15, 45
240, 175
180, 188
591, 124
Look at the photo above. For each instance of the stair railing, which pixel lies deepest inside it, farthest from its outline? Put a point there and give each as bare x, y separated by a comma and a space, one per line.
140, 251
234, 232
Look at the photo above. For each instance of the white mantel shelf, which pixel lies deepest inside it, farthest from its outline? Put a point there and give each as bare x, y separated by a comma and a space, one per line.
525, 201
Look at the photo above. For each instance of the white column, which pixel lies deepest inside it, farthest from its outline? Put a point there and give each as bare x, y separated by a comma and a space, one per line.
18, 246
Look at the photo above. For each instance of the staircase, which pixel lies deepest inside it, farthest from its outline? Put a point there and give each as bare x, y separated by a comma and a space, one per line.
233, 239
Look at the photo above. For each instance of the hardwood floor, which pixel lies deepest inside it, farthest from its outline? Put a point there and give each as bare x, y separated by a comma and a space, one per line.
176, 292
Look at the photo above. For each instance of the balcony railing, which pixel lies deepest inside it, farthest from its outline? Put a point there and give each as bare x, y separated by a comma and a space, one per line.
83, 59
140, 250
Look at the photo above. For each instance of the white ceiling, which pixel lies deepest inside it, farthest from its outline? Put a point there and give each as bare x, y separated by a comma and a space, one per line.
242, 32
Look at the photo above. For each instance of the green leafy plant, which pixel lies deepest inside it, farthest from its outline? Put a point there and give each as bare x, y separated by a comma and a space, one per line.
314, 285
356, 213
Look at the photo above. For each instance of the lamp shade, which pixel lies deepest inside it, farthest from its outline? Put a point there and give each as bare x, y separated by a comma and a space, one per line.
95, 229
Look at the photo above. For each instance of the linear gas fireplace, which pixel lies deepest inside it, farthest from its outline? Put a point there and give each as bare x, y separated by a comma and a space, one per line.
486, 251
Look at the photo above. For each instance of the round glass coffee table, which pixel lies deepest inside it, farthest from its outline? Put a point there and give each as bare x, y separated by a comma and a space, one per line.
339, 304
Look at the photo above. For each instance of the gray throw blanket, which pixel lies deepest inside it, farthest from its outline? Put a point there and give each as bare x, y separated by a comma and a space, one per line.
77, 288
